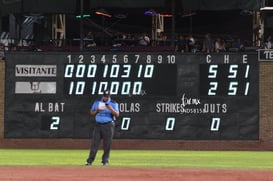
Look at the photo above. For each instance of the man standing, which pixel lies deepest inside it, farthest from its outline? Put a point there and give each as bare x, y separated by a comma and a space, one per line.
105, 111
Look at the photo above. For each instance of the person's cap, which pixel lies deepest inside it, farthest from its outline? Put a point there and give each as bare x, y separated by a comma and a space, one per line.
106, 93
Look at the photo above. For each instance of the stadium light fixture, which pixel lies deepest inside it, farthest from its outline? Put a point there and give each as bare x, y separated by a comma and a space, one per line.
84, 16
103, 12
268, 8
166, 15
151, 13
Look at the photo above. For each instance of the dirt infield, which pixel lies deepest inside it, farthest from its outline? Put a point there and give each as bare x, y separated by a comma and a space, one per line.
128, 174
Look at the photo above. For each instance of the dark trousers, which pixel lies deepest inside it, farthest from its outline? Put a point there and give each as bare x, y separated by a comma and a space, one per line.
103, 132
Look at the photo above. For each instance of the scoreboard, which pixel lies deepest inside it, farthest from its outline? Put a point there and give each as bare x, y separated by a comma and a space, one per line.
161, 95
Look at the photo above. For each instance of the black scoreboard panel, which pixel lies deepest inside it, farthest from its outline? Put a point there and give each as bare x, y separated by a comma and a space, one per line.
161, 95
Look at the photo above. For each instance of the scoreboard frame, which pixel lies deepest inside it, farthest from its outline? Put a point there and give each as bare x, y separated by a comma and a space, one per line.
190, 127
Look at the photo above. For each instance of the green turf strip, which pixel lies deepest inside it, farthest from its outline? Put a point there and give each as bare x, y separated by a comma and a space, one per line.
141, 158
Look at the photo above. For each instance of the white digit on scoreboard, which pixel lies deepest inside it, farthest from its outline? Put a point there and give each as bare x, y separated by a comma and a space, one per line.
55, 123
125, 123
170, 122
215, 124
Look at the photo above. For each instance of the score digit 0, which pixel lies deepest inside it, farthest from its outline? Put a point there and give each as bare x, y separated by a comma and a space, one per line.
215, 124
170, 122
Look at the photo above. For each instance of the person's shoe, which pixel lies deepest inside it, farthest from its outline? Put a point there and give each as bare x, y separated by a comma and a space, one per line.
104, 164
88, 164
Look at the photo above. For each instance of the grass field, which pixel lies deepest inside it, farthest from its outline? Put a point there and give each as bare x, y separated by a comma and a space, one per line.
141, 158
